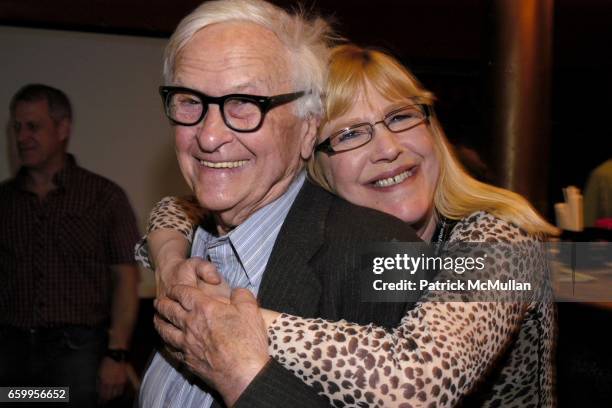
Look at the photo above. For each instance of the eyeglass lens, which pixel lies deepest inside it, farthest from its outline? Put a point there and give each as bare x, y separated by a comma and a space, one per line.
238, 113
396, 121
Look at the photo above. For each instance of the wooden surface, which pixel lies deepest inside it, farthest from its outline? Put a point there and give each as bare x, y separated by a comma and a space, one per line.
591, 286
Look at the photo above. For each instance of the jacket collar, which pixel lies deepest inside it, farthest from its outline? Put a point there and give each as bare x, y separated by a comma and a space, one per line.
289, 282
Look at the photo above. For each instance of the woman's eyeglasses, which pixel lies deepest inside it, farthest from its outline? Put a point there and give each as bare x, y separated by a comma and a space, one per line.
396, 121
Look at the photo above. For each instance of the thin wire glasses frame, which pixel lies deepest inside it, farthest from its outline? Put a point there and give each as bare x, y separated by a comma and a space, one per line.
263, 104
330, 147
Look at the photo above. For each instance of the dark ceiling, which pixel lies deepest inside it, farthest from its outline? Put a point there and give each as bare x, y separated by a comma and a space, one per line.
447, 29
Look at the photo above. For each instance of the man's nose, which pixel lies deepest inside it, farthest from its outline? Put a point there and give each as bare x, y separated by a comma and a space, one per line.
212, 132
22, 134
386, 144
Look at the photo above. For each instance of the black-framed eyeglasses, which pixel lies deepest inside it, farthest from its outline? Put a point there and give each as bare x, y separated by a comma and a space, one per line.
396, 121
240, 112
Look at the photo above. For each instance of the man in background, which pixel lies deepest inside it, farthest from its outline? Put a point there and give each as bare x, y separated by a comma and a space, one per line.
598, 194
68, 284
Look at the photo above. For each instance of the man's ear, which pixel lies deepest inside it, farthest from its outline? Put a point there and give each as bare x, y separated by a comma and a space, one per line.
309, 138
64, 127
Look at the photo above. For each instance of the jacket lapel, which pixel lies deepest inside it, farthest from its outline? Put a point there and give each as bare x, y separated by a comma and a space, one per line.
289, 283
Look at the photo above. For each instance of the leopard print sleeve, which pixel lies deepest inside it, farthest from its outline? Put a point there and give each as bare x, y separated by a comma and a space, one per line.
441, 350
178, 213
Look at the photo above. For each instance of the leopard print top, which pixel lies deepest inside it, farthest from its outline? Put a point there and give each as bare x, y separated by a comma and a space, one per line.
177, 213
450, 353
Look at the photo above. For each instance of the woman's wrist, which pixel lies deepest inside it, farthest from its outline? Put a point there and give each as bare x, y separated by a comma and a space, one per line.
269, 316
167, 246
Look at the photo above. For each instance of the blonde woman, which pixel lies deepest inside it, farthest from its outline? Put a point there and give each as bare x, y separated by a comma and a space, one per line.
381, 146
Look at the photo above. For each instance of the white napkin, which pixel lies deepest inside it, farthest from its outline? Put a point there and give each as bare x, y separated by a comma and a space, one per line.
569, 214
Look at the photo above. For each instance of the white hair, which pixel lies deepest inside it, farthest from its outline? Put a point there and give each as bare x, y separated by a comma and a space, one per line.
307, 39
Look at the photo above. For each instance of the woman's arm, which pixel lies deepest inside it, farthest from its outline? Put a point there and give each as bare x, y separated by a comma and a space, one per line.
168, 251
269, 316
172, 219
167, 243
439, 353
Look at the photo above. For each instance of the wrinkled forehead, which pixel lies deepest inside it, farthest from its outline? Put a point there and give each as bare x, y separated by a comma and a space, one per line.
236, 52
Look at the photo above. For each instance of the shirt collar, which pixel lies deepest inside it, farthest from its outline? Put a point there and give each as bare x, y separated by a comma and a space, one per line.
60, 179
261, 229
256, 235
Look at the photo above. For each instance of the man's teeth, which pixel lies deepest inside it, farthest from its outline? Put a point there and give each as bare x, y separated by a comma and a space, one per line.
223, 165
395, 179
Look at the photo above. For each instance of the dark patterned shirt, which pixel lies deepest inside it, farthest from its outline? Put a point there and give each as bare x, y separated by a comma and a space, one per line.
55, 254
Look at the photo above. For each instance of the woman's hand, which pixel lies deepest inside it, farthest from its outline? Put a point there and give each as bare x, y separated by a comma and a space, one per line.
269, 316
168, 251
210, 281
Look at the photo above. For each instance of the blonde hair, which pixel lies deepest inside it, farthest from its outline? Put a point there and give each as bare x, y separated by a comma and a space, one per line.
307, 39
457, 193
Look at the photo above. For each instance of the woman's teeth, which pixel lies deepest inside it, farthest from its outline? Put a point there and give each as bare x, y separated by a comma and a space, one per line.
395, 179
223, 165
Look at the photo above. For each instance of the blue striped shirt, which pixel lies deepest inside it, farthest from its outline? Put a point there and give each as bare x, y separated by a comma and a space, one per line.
241, 257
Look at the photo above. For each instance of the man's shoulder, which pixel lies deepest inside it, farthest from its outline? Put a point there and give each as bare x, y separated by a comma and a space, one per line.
345, 217
95, 181
8, 187
603, 171
347, 221
7, 183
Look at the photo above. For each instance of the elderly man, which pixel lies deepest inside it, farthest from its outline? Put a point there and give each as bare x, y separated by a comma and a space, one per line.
245, 99
68, 297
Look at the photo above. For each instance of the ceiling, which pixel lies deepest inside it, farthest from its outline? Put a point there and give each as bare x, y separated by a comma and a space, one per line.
427, 29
